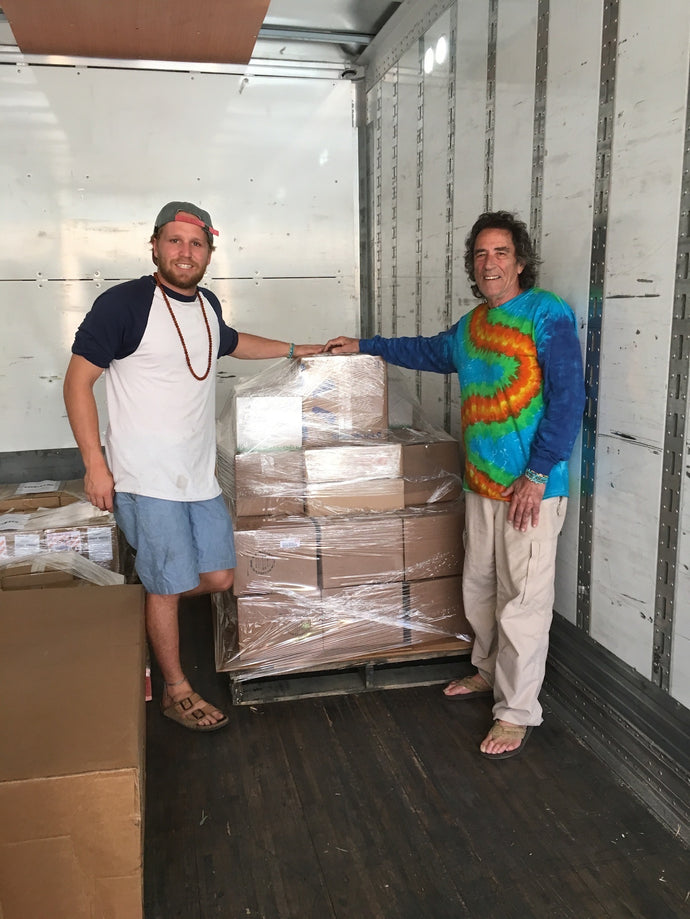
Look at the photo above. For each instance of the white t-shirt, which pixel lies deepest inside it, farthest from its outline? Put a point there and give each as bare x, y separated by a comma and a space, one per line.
160, 439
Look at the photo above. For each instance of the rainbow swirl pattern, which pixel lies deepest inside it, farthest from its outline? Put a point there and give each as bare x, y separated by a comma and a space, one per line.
502, 403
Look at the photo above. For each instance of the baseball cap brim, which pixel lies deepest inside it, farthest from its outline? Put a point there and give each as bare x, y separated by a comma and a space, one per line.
187, 213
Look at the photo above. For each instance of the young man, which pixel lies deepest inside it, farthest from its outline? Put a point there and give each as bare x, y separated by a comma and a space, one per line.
158, 339
519, 363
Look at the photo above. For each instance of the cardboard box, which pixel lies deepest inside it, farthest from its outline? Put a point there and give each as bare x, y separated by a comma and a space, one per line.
341, 498
353, 463
432, 472
269, 483
268, 422
362, 620
274, 554
433, 540
343, 397
21, 577
360, 550
56, 522
277, 632
283, 629
72, 768
435, 610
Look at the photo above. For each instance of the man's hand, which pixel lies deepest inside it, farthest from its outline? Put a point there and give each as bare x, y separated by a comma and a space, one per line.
525, 500
99, 488
343, 345
307, 350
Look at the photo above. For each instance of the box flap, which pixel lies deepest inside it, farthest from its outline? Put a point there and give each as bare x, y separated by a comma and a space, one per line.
71, 665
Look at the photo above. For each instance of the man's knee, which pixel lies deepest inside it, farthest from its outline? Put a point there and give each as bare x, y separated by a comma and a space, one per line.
215, 581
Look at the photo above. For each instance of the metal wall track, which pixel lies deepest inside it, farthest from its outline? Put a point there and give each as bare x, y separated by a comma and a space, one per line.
364, 162
539, 133
489, 136
596, 302
419, 210
394, 206
378, 199
674, 437
450, 198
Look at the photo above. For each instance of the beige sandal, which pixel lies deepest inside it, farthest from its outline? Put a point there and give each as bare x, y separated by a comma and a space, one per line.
476, 685
507, 732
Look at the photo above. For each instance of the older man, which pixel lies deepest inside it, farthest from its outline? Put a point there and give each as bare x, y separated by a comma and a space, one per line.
519, 364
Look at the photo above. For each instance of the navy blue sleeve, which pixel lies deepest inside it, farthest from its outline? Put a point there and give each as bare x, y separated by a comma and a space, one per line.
564, 396
115, 324
228, 335
434, 353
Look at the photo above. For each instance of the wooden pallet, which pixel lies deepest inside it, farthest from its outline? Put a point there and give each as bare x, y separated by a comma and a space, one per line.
380, 671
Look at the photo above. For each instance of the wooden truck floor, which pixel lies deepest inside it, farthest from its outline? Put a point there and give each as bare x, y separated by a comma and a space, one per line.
378, 806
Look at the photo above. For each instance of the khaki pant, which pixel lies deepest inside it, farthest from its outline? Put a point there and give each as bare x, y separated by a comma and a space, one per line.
508, 592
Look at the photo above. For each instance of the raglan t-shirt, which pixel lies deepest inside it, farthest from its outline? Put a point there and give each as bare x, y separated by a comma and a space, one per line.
521, 387
160, 439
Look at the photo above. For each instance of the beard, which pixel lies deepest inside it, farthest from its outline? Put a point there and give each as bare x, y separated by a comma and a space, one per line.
174, 277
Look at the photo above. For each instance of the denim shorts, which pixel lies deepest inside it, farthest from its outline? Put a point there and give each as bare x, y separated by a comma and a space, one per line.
175, 541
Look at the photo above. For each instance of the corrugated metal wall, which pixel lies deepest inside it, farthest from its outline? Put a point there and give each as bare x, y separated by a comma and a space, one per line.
575, 116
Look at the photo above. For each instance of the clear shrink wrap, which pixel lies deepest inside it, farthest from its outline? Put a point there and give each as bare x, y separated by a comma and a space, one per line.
348, 512
40, 518
54, 569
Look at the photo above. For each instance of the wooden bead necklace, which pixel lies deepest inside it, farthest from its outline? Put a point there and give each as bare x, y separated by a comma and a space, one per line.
179, 331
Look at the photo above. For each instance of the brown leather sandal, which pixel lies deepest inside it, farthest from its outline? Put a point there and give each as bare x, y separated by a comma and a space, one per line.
189, 711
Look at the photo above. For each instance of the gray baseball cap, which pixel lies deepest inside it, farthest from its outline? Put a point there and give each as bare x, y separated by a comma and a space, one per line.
171, 210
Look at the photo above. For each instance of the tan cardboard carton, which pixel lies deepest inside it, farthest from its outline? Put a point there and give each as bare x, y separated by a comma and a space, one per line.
341, 498
56, 521
267, 422
343, 397
360, 550
283, 628
71, 777
269, 484
435, 610
267, 633
432, 472
362, 620
274, 554
353, 463
21, 577
433, 540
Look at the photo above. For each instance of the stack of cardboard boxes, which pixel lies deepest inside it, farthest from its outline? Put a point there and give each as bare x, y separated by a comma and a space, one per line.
71, 666
348, 530
40, 520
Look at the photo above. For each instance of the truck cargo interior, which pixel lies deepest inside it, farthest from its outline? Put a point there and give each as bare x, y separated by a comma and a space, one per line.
344, 149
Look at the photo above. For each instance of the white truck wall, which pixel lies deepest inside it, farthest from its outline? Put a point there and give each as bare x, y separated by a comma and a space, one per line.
89, 154
575, 116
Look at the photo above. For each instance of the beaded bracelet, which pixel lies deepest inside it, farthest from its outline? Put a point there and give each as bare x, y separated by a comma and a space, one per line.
292, 350
537, 477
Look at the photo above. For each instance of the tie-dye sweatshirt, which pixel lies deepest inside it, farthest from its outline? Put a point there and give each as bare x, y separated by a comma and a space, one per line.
521, 387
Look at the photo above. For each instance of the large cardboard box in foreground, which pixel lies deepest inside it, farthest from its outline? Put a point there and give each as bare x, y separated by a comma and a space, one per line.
71, 770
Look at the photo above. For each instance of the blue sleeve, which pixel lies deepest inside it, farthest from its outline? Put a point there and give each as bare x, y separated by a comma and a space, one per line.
434, 353
564, 394
228, 336
115, 324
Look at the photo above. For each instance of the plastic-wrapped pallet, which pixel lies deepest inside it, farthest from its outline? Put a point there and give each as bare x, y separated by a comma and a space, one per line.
348, 520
